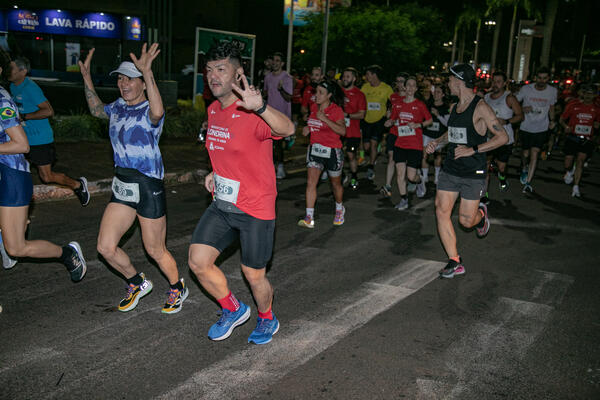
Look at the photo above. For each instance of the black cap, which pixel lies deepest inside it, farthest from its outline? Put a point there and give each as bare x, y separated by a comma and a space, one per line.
465, 73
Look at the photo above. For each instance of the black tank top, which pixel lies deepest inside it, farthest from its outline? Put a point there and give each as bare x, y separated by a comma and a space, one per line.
462, 131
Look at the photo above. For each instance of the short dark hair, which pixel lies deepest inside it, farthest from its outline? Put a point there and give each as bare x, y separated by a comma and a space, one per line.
402, 75
353, 70
23, 63
500, 73
543, 70
224, 51
278, 54
374, 69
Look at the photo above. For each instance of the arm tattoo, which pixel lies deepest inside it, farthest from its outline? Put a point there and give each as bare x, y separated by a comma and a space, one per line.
496, 127
96, 106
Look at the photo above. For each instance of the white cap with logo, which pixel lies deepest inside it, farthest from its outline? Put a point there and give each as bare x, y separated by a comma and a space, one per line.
128, 69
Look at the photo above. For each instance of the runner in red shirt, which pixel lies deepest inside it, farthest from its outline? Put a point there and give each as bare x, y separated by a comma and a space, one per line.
308, 97
355, 107
579, 122
408, 120
326, 125
241, 127
395, 100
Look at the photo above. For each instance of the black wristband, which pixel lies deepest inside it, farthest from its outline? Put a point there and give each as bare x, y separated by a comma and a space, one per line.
262, 109
476, 149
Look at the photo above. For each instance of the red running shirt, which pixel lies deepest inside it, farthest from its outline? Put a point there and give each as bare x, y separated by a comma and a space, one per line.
320, 132
581, 118
354, 102
241, 152
395, 100
416, 111
308, 97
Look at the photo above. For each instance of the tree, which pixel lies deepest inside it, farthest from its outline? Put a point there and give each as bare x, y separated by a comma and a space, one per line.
395, 38
549, 19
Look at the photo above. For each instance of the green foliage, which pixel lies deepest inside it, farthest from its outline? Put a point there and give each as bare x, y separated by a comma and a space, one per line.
179, 122
75, 128
406, 37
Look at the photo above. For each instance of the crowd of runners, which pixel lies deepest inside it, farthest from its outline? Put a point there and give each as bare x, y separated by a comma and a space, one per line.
456, 125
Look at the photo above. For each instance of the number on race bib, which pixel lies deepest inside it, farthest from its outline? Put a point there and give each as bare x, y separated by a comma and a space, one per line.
226, 189
583, 129
318, 150
374, 106
126, 191
347, 120
405, 130
457, 135
435, 127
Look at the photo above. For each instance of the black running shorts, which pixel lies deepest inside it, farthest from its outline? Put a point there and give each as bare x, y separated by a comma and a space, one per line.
141, 192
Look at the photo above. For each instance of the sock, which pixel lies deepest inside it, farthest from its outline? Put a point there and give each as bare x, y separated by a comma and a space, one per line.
501, 176
339, 206
178, 285
437, 171
575, 187
404, 197
266, 315
424, 172
457, 259
310, 212
136, 280
229, 302
481, 223
67, 252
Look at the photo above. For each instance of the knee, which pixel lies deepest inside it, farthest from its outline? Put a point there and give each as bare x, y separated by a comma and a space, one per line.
155, 252
468, 221
106, 249
199, 265
254, 276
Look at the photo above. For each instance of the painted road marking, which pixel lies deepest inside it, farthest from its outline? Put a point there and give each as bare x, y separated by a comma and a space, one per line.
301, 340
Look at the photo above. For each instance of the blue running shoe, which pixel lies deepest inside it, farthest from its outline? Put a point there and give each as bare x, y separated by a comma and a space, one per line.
229, 320
264, 331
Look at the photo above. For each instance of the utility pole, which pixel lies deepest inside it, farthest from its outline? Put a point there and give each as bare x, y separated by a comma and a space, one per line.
325, 33
288, 62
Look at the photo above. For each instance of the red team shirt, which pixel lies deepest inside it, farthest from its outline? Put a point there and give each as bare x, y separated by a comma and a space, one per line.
354, 101
320, 132
308, 97
240, 148
581, 118
395, 100
415, 111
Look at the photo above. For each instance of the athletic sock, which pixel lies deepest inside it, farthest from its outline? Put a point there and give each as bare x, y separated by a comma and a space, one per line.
229, 302
424, 173
437, 171
310, 212
266, 315
136, 280
178, 285
404, 197
339, 206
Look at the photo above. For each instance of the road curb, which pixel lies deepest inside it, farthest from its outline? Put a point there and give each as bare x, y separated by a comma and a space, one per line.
43, 193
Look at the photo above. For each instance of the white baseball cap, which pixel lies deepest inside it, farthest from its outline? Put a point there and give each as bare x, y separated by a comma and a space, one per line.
127, 68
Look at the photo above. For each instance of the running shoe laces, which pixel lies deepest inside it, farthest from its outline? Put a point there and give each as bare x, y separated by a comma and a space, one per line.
173, 296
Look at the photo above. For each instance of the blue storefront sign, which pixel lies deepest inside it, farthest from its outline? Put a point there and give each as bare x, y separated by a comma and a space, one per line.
134, 29
69, 23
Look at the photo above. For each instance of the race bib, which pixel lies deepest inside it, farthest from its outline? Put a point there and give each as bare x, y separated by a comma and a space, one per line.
319, 150
226, 189
374, 107
435, 127
583, 130
347, 119
126, 191
457, 135
405, 130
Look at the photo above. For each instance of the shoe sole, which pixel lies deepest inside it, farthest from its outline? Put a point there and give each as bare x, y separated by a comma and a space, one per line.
84, 183
484, 234
137, 298
442, 276
176, 310
300, 223
77, 248
266, 341
237, 323
11, 264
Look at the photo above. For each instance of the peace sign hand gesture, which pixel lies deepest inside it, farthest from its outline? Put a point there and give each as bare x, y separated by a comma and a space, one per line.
84, 67
144, 63
251, 98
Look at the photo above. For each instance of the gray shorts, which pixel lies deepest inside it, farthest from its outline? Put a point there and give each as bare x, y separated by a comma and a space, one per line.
333, 164
468, 188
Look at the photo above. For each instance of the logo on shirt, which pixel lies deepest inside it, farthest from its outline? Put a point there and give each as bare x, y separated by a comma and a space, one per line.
212, 112
235, 116
7, 113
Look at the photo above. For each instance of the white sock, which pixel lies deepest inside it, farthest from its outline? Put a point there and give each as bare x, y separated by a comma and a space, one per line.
310, 212
424, 173
339, 206
575, 187
437, 171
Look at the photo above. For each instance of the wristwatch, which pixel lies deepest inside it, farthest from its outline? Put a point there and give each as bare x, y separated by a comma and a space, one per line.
476, 149
262, 109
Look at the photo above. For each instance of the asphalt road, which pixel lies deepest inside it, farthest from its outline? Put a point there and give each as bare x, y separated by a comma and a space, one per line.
363, 314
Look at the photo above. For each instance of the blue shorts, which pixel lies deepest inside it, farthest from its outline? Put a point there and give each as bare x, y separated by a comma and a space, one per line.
219, 229
16, 187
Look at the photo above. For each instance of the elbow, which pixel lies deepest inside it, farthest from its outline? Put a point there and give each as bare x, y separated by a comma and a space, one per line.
24, 148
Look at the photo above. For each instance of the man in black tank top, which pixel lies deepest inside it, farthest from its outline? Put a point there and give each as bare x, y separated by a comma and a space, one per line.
464, 169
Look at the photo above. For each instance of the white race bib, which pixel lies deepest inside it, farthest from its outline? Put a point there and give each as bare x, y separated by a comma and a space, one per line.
435, 127
347, 119
374, 107
457, 135
318, 150
583, 129
405, 130
126, 191
226, 189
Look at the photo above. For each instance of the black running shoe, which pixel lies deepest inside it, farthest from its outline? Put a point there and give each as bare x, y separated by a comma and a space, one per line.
76, 263
451, 269
82, 192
